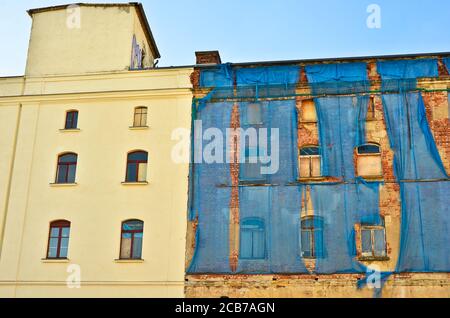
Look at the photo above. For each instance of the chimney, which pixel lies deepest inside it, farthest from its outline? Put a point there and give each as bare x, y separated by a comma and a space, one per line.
208, 57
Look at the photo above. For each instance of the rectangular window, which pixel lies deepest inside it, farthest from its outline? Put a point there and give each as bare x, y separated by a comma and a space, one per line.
252, 239
252, 115
311, 237
309, 162
58, 241
308, 111
373, 241
140, 117
71, 120
251, 167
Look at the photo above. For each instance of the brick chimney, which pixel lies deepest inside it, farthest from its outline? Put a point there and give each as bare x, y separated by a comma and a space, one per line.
208, 57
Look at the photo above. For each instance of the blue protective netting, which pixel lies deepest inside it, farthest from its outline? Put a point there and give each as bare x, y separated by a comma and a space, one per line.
343, 78
270, 214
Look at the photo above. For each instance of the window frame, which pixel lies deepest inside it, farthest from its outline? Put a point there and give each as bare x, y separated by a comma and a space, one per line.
60, 225
312, 232
132, 232
310, 159
371, 109
372, 229
261, 229
143, 117
67, 165
136, 162
71, 113
246, 117
373, 155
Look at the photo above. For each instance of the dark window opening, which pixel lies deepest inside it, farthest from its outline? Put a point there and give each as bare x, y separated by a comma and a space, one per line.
71, 120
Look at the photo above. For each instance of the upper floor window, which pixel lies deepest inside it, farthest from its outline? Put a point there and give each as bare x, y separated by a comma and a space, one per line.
140, 117
131, 239
309, 162
369, 161
373, 241
253, 114
67, 166
311, 237
137, 166
308, 111
371, 109
58, 241
251, 165
71, 120
253, 239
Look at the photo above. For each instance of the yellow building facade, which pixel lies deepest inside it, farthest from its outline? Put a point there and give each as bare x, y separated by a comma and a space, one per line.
82, 59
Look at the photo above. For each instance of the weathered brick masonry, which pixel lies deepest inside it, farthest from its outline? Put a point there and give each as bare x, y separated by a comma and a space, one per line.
399, 285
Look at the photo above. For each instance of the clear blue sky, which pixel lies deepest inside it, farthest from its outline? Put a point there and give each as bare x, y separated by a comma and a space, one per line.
258, 30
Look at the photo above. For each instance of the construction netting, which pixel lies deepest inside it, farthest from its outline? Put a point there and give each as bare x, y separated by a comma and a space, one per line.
268, 199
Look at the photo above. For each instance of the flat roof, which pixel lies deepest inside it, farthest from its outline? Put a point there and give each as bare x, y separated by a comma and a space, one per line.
138, 5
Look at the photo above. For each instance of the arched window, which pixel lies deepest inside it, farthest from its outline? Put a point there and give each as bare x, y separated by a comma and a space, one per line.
58, 240
309, 162
311, 237
253, 239
67, 166
71, 119
140, 116
137, 166
131, 239
369, 161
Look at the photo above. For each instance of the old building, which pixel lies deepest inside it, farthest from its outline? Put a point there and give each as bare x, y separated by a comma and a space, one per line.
346, 194
308, 178
91, 203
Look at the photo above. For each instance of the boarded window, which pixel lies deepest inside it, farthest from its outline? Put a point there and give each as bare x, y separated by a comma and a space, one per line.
308, 111
369, 161
253, 114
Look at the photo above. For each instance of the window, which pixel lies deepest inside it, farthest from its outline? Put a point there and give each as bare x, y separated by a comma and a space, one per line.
71, 120
309, 162
308, 111
137, 166
131, 239
140, 117
251, 167
371, 109
253, 239
67, 166
253, 114
311, 237
369, 161
58, 240
373, 241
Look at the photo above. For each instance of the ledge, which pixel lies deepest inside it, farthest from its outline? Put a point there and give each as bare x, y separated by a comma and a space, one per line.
139, 127
373, 258
63, 184
129, 261
55, 260
70, 130
311, 179
140, 183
